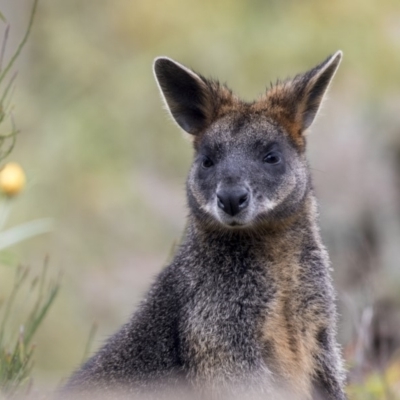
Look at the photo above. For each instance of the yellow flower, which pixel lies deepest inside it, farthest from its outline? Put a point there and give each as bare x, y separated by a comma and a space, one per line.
12, 179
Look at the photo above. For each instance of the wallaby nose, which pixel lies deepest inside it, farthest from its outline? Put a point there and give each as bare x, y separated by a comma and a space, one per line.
234, 200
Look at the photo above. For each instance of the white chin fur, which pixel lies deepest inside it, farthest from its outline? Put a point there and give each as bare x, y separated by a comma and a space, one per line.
244, 218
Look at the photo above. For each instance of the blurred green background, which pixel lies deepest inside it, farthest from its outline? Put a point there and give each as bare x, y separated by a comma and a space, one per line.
104, 160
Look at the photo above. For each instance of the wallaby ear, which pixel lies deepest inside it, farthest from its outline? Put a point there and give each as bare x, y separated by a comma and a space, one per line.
185, 93
316, 83
296, 102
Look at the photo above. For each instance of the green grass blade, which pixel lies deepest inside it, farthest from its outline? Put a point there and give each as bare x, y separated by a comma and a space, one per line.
42, 313
24, 231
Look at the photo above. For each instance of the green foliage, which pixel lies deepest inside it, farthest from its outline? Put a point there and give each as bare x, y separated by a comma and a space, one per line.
377, 385
16, 351
37, 292
5, 104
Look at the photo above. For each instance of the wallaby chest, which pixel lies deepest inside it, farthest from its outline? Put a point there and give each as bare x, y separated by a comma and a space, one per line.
228, 298
246, 317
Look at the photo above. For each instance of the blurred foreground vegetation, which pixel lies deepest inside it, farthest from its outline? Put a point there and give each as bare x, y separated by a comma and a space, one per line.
108, 166
18, 322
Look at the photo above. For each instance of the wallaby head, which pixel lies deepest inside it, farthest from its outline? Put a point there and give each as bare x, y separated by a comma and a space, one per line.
249, 168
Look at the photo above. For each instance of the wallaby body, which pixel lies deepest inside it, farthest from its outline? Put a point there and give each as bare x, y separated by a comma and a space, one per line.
246, 307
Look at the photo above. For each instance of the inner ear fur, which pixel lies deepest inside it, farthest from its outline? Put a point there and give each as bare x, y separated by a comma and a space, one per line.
295, 103
185, 94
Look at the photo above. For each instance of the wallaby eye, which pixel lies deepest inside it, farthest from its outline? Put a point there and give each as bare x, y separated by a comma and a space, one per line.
207, 162
272, 158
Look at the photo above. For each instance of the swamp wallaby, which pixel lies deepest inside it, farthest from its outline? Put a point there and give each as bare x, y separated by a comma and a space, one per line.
247, 306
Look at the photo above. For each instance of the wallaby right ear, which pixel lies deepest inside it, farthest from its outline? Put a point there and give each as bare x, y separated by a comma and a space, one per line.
185, 93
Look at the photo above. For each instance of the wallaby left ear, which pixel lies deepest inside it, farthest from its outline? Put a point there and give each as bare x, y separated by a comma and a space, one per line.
296, 102
185, 93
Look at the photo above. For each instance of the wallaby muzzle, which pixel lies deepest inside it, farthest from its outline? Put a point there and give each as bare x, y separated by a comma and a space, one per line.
233, 200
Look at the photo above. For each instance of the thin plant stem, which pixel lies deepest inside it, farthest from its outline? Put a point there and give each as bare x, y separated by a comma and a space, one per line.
4, 45
8, 135
22, 43
10, 148
5, 208
20, 278
13, 136
92, 333
8, 87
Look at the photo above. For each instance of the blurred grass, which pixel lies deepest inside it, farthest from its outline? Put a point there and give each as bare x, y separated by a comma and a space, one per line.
16, 348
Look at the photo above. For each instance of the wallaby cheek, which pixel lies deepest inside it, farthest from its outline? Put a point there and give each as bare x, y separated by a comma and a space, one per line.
278, 193
202, 188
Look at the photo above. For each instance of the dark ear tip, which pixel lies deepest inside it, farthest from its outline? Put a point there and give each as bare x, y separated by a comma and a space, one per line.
160, 62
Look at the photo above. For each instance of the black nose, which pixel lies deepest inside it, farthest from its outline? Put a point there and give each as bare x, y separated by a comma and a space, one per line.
234, 200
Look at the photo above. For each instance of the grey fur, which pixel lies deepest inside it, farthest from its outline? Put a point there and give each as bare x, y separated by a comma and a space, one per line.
246, 307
